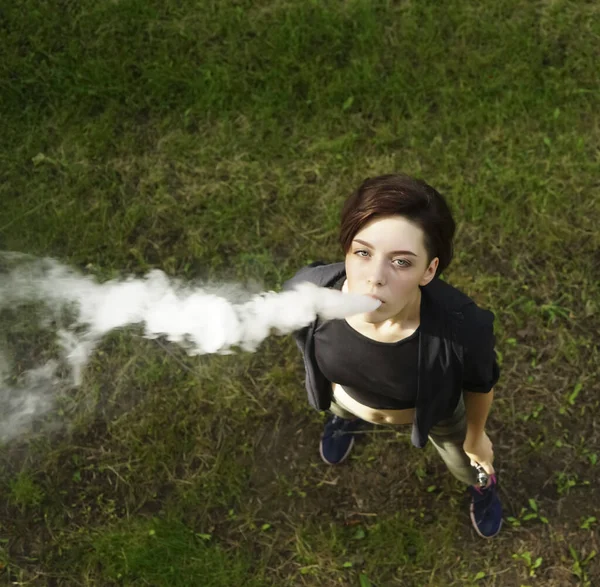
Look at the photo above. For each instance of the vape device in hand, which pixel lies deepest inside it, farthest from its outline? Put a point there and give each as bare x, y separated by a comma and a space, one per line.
482, 476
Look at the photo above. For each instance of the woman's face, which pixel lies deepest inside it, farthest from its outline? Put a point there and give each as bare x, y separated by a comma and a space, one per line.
387, 259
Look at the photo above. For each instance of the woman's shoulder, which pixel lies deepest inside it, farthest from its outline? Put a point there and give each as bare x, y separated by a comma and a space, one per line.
319, 273
441, 295
458, 306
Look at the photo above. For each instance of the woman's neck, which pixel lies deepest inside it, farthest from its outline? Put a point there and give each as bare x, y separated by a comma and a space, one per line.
408, 318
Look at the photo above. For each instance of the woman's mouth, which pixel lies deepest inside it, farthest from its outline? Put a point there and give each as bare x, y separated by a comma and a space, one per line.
375, 298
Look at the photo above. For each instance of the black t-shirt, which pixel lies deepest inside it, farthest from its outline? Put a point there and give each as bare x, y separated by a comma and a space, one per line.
376, 374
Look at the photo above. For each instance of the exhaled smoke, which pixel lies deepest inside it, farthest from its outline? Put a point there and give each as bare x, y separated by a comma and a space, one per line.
201, 320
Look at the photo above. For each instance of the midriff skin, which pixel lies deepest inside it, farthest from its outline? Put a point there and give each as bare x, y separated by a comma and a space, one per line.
373, 415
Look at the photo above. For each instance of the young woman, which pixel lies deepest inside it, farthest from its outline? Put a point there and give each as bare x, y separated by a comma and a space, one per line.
425, 357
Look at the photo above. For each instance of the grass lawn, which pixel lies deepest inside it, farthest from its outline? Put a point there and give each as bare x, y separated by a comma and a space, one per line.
216, 140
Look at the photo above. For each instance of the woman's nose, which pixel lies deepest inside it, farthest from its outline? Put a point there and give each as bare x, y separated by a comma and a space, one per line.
377, 276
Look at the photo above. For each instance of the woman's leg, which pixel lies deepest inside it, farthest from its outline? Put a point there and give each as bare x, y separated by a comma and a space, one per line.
448, 436
340, 411
337, 439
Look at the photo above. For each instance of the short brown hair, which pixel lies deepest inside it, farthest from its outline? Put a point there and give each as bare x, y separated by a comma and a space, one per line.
399, 194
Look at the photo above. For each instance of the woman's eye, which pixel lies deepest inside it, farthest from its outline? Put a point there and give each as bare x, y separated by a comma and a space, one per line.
359, 253
401, 263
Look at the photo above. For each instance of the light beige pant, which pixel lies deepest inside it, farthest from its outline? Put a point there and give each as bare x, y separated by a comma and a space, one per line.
447, 436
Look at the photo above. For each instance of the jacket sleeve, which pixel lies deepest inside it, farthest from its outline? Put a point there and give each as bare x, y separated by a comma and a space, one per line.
300, 276
317, 388
300, 335
481, 371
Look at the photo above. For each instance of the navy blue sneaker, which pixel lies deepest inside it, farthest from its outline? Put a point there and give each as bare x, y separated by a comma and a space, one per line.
486, 509
338, 439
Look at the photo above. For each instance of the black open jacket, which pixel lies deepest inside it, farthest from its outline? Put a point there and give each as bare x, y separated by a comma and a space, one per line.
456, 350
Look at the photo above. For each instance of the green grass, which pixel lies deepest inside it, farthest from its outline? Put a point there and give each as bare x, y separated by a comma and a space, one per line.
163, 553
24, 492
379, 549
217, 141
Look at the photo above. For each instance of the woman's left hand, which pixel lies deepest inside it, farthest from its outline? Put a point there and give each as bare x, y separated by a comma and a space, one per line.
480, 450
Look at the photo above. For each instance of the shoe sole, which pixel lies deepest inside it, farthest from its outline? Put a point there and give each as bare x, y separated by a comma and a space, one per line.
342, 459
472, 516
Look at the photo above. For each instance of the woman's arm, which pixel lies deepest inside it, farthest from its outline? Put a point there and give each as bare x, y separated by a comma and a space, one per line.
477, 445
477, 406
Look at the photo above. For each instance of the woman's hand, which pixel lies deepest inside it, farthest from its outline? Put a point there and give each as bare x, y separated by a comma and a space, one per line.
479, 449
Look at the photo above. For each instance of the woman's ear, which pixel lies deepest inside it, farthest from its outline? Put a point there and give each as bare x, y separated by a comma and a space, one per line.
430, 271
